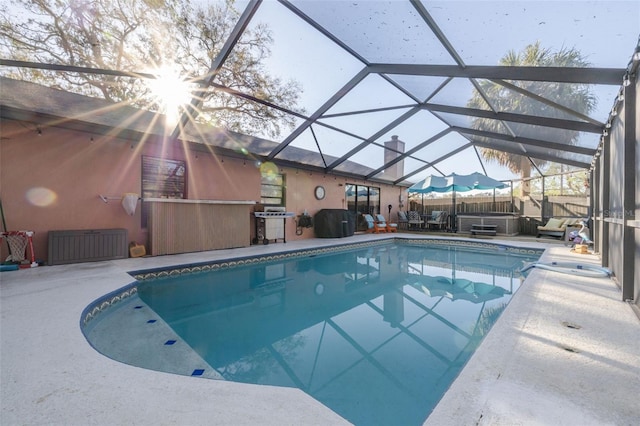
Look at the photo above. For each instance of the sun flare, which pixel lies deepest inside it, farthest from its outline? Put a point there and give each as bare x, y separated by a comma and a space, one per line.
172, 92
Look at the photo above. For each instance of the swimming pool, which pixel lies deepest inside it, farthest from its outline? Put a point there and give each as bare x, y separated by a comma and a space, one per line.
377, 332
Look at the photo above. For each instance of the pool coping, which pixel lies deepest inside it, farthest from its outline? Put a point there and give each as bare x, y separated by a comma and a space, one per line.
52, 375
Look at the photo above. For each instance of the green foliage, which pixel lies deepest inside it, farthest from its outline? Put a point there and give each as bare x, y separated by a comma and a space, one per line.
142, 35
561, 183
577, 97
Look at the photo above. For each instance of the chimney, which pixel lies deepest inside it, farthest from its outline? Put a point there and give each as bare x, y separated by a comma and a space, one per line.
393, 149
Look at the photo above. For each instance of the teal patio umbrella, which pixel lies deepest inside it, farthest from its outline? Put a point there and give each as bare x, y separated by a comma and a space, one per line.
459, 289
455, 183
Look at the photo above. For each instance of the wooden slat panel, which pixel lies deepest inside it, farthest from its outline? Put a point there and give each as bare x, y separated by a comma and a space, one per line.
506, 225
191, 227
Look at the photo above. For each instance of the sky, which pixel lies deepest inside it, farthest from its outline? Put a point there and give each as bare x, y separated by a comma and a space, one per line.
481, 31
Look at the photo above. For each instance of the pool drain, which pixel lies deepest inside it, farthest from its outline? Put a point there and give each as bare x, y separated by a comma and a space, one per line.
569, 349
571, 325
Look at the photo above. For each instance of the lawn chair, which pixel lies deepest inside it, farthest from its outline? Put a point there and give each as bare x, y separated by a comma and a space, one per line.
403, 221
556, 227
438, 218
415, 220
373, 226
390, 227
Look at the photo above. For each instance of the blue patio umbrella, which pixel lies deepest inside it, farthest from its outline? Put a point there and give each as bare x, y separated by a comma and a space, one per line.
455, 183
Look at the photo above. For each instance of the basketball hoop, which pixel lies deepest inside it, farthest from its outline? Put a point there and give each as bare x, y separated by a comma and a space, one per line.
18, 242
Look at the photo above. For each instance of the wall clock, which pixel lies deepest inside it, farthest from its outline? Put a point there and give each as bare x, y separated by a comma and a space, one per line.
319, 192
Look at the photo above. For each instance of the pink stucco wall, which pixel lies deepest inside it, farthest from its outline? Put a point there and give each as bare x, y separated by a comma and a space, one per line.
52, 181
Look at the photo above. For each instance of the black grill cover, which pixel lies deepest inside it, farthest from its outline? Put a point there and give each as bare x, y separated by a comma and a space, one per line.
334, 223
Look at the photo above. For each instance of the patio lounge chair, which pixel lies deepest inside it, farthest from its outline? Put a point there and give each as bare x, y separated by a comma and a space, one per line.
438, 218
390, 227
403, 221
415, 219
556, 227
372, 226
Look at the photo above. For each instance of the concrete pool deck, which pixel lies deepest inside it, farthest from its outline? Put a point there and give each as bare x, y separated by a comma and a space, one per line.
530, 369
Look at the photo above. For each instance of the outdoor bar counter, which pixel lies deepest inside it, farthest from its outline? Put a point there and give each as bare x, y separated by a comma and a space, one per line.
184, 226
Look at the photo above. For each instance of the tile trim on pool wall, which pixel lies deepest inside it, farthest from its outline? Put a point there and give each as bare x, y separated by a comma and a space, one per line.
475, 245
99, 305
226, 264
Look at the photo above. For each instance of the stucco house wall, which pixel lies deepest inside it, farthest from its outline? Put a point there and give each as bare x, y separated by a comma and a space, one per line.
51, 178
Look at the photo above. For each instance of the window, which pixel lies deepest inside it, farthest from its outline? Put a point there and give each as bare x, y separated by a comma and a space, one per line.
162, 179
272, 189
362, 199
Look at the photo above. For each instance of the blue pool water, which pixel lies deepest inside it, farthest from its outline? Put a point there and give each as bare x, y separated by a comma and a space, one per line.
377, 334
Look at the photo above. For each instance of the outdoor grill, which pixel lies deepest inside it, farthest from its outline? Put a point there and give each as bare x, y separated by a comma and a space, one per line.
270, 224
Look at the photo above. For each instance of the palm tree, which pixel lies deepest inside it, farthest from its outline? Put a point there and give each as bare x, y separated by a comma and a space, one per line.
577, 97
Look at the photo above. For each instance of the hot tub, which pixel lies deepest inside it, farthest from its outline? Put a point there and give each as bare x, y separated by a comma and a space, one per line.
506, 224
